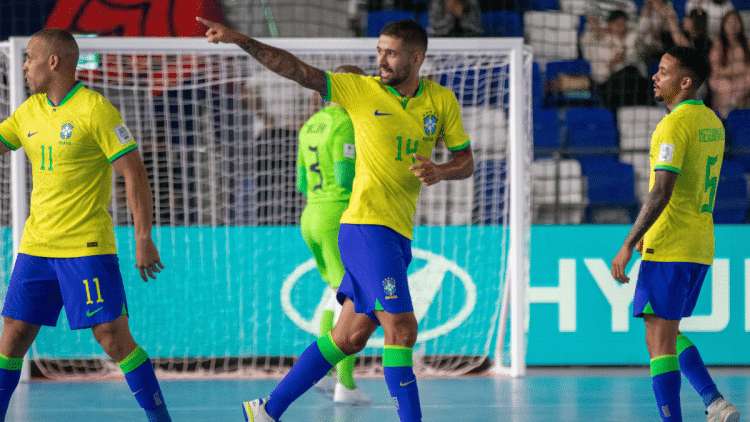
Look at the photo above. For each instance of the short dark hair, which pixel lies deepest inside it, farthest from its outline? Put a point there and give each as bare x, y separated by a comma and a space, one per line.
409, 31
617, 14
692, 60
62, 43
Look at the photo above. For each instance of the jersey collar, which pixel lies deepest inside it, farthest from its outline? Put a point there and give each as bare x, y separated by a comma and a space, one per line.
691, 102
77, 87
405, 100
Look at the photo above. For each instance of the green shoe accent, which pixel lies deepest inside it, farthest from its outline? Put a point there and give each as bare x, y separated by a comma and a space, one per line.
345, 370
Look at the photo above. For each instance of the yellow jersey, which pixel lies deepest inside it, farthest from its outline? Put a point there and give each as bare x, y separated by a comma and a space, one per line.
688, 141
70, 147
389, 130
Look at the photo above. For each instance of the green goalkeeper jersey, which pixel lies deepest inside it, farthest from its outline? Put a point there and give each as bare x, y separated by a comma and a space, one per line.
326, 155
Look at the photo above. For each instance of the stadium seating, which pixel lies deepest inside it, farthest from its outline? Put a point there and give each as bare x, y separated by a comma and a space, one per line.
576, 7
502, 24
552, 35
592, 134
547, 139
610, 192
376, 20
730, 205
738, 136
635, 125
570, 98
557, 192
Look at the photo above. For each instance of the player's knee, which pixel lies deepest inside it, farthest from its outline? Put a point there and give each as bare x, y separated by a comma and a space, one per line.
114, 342
352, 343
402, 333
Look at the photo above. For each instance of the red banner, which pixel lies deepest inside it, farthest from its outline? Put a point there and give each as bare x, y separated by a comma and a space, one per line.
135, 18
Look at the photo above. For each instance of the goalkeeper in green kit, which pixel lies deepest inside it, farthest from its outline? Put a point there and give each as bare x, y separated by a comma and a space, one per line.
325, 171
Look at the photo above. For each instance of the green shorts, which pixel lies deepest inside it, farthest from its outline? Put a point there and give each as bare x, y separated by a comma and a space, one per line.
320, 229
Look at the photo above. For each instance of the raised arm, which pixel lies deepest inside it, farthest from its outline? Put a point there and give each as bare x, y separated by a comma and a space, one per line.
131, 168
275, 59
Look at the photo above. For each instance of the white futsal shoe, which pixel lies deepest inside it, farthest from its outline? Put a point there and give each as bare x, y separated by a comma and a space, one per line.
326, 386
722, 411
354, 397
255, 411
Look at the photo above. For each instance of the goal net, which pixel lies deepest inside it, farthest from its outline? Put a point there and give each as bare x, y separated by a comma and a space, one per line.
240, 294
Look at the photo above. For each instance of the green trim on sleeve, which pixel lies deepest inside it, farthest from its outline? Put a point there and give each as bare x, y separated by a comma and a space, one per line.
462, 146
302, 180
683, 343
114, 158
668, 168
135, 359
344, 172
327, 97
397, 356
10, 364
663, 364
7, 144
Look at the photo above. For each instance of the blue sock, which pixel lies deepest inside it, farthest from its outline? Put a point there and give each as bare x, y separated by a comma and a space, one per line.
10, 373
695, 371
665, 375
140, 376
312, 365
399, 376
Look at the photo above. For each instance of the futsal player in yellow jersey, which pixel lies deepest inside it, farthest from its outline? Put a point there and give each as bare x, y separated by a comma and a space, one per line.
67, 257
677, 232
397, 119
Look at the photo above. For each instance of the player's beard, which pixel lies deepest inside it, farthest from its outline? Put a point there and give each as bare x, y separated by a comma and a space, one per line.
395, 78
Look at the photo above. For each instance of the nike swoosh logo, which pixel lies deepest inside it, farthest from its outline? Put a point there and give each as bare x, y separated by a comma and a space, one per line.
32, 134
407, 383
90, 313
138, 391
377, 113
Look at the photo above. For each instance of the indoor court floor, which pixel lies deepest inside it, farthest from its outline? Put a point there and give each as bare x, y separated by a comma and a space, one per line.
550, 395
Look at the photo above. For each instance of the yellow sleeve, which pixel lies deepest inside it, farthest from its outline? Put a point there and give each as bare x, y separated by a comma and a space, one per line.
344, 88
672, 143
453, 132
10, 130
110, 132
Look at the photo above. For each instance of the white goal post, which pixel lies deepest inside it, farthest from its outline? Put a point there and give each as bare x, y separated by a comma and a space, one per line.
218, 133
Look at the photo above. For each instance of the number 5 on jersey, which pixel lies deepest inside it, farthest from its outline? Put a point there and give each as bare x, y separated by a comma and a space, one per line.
711, 183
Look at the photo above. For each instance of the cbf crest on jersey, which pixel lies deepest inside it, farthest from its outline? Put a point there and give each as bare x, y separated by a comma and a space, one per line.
430, 123
66, 131
389, 286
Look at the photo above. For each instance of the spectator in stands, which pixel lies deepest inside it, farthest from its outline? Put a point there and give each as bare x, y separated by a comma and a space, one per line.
730, 67
715, 11
601, 9
658, 28
616, 66
455, 18
695, 32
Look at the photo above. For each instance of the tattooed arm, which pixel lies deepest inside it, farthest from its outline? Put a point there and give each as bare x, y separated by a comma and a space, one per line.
275, 59
657, 200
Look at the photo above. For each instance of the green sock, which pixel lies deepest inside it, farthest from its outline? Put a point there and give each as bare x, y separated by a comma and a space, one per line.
345, 370
326, 325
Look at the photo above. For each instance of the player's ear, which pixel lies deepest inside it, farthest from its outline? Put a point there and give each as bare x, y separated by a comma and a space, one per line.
687, 82
53, 61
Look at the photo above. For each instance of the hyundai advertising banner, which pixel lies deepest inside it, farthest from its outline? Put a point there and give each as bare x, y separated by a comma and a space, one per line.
237, 292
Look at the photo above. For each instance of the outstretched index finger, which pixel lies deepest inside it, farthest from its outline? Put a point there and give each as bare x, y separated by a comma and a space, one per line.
422, 159
206, 22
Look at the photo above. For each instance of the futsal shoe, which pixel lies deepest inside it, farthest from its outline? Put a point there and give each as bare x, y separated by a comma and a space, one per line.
722, 411
326, 386
255, 411
354, 397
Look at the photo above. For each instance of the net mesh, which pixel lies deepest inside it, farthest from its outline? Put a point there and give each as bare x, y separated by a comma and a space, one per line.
240, 294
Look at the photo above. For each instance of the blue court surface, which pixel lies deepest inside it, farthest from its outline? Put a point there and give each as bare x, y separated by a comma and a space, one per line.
550, 395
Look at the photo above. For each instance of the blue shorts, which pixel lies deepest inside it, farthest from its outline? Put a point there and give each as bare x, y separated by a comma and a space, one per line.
670, 289
89, 287
375, 261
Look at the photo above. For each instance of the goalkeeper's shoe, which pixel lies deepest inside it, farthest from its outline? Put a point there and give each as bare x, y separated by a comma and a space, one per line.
255, 411
354, 397
722, 411
326, 386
